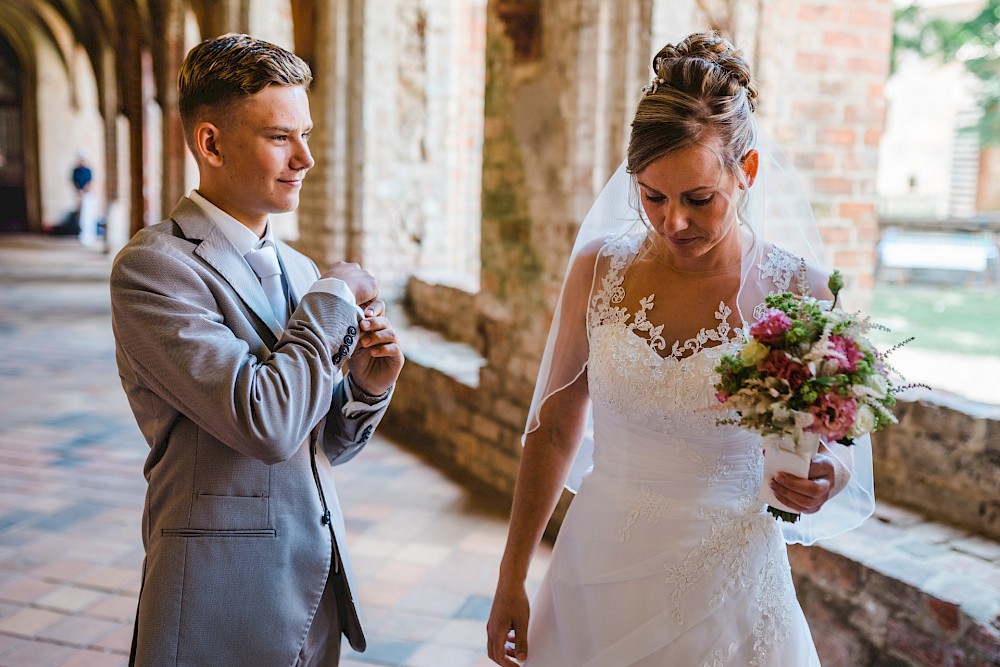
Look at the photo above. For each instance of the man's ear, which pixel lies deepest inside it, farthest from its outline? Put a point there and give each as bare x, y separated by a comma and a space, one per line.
750, 166
206, 144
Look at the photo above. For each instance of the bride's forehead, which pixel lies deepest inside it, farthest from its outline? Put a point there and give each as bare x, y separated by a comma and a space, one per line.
697, 165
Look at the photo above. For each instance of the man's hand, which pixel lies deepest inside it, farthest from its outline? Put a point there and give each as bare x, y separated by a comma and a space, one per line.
378, 359
363, 284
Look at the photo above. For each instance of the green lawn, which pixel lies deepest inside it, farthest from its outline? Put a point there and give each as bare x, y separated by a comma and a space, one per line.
960, 319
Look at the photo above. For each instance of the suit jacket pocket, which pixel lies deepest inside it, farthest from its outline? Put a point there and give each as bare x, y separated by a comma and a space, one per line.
201, 532
229, 513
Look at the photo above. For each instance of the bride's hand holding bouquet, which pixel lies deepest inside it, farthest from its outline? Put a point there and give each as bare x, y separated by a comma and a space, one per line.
806, 375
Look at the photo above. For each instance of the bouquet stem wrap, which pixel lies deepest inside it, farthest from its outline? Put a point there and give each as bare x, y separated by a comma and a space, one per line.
786, 453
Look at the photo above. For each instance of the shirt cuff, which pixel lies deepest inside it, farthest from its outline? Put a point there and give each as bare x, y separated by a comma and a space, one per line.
360, 402
338, 287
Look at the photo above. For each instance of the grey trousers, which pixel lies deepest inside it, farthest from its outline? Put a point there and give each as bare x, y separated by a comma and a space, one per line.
322, 645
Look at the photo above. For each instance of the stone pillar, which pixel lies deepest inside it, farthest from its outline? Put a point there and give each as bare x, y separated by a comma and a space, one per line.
329, 207
822, 70
116, 225
130, 76
555, 73
221, 16
168, 53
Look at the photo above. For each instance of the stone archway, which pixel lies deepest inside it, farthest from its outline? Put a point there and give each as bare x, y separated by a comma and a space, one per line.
13, 185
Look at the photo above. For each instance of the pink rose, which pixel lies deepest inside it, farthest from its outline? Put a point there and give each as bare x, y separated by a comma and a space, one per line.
771, 327
779, 365
846, 352
721, 396
834, 415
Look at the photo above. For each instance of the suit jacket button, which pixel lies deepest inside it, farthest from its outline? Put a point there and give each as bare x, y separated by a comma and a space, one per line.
345, 350
337, 358
352, 330
348, 339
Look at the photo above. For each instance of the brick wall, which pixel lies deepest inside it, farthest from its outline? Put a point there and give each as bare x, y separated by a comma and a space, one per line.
943, 459
822, 67
901, 591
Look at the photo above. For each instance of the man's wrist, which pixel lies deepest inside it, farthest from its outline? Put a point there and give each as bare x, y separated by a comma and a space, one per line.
360, 394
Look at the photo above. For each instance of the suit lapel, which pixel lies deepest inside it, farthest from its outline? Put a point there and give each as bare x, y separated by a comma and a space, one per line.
216, 251
299, 272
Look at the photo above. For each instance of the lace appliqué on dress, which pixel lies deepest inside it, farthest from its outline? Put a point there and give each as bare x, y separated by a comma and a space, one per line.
773, 599
780, 266
722, 656
629, 373
647, 505
733, 537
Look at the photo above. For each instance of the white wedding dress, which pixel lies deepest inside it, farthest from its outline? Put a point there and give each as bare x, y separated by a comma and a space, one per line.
666, 557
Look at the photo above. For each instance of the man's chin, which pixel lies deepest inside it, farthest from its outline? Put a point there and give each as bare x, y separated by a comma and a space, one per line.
285, 206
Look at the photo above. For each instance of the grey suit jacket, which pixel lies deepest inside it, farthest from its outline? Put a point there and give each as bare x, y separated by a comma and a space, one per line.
241, 523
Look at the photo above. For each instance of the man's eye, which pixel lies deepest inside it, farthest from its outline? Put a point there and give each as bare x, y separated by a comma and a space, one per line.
280, 137
306, 136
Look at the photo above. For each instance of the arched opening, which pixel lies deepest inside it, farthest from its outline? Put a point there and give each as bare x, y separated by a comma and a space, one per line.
13, 200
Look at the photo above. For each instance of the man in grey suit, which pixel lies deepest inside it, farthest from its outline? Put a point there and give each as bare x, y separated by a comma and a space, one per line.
231, 348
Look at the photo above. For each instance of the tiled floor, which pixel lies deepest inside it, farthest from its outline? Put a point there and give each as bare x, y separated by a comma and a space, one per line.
71, 489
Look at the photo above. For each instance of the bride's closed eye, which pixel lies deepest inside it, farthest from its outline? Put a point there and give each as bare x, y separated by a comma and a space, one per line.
659, 199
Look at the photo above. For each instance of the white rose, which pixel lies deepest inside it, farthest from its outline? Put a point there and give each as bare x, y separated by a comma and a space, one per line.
879, 385
864, 421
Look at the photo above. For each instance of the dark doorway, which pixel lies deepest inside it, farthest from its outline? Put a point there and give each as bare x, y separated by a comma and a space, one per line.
13, 207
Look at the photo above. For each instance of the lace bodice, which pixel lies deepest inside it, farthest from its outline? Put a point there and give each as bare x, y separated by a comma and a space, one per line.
631, 369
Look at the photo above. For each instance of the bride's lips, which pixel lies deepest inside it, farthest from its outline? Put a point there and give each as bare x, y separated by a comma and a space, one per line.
684, 241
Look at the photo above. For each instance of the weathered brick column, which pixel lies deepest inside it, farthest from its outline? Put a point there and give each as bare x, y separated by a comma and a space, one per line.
328, 209
822, 69
555, 131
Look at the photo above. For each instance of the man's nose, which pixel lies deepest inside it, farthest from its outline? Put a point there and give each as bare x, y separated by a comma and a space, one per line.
302, 159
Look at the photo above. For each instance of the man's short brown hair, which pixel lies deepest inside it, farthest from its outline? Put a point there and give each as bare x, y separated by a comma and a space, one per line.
230, 68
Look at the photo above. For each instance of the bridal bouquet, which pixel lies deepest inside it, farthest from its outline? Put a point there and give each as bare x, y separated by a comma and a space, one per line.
806, 372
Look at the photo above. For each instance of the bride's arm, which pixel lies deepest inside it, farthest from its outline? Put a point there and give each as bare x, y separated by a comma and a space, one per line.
545, 463
555, 430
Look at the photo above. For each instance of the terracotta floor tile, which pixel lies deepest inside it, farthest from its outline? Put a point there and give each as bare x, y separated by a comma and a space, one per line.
431, 655
29, 621
108, 578
114, 608
410, 626
118, 640
78, 630
25, 590
70, 599
36, 653
92, 658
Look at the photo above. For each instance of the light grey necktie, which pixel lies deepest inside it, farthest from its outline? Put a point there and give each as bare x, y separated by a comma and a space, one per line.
264, 262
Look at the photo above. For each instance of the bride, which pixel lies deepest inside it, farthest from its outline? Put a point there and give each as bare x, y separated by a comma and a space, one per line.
667, 555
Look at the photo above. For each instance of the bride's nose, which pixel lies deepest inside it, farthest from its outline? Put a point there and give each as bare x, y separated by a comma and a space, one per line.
674, 219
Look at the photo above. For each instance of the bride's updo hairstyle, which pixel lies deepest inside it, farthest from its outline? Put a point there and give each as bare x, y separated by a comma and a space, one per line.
700, 89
